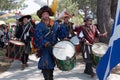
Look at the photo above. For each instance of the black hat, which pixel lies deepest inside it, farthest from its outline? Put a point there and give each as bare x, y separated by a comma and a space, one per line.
88, 17
26, 16
44, 9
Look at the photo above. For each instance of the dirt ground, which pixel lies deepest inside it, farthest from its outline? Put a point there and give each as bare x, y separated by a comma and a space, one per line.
5, 63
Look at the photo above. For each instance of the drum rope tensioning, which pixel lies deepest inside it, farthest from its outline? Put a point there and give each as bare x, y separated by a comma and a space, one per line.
15, 49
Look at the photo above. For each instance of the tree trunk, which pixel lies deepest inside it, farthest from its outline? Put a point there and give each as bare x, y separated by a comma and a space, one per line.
113, 8
104, 18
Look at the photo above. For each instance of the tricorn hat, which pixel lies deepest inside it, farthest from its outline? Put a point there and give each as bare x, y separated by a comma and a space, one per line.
44, 9
25, 16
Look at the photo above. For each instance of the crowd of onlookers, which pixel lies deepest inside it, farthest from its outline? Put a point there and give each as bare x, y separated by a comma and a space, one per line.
6, 32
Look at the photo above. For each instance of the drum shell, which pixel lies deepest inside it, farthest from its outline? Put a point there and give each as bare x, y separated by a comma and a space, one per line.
98, 52
14, 51
66, 65
77, 49
96, 60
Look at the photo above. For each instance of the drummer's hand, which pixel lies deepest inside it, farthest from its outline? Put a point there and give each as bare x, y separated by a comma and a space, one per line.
87, 42
66, 39
105, 34
46, 44
15, 38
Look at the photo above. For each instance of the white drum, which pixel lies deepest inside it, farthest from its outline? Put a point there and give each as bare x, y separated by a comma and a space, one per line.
98, 49
76, 43
75, 40
64, 53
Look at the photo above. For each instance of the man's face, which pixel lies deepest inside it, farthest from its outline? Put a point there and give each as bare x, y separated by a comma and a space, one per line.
45, 15
89, 22
66, 19
25, 20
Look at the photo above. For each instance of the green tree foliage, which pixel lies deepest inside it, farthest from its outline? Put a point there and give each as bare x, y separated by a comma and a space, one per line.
35, 17
87, 5
11, 20
71, 7
11, 4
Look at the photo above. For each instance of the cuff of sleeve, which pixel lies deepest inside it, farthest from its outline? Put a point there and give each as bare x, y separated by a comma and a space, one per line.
43, 43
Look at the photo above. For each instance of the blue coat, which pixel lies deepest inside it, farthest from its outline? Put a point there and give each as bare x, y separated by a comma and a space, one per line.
41, 37
63, 31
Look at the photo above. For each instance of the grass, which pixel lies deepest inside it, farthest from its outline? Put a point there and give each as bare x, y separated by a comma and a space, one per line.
2, 52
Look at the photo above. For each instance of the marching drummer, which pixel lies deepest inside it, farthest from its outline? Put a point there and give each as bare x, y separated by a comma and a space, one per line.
45, 38
66, 27
24, 32
87, 34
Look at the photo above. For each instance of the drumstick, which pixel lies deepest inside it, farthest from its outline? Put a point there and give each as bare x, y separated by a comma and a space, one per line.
58, 47
104, 28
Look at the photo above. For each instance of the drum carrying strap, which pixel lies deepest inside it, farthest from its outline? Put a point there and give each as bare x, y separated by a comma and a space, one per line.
50, 30
25, 29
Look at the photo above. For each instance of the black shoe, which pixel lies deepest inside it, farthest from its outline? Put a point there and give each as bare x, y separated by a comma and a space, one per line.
26, 65
93, 75
87, 72
23, 67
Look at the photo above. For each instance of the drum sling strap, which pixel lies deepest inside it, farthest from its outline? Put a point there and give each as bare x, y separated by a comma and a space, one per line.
26, 29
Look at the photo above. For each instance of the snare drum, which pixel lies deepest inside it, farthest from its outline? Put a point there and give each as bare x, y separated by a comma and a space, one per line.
98, 50
64, 53
15, 49
76, 43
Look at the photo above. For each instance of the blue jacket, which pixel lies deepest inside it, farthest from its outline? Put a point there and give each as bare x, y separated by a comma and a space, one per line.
42, 36
63, 31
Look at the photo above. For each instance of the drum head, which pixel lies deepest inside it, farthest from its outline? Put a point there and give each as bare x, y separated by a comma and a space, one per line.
16, 42
63, 50
99, 49
75, 40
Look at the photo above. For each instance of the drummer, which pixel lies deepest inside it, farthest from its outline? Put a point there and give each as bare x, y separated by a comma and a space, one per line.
24, 33
66, 27
45, 37
87, 34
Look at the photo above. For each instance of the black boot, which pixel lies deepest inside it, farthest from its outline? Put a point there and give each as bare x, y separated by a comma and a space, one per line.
89, 70
48, 74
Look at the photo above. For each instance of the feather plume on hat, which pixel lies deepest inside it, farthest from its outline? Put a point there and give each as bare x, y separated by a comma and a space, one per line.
64, 14
54, 6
